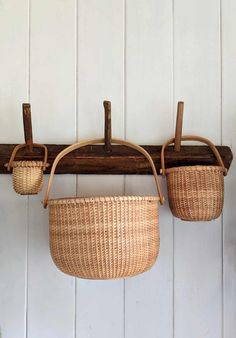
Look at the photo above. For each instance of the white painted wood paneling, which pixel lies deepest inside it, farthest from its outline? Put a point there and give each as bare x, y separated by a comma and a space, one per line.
229, 138
13, 67
197, 65
149, 116
198, 246
66, 57
13, 240
51, 294
100, 66
149, 70
13, 208
99, 309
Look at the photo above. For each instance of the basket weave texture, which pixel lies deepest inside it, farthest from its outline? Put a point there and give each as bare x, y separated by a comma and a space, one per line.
104, 237
195, 193
27, 177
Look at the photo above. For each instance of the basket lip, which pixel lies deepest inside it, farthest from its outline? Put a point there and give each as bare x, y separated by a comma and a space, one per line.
195, 168
28, 164
83, 200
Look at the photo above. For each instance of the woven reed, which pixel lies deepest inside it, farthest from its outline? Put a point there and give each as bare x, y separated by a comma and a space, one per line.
104, 237
195, 193
27, 177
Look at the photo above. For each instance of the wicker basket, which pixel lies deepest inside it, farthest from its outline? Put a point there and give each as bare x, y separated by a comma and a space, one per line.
195, 193
27, 175
104, 237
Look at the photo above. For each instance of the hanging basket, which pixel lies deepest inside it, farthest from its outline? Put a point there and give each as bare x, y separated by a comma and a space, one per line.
104, 237
27, 175
195, 193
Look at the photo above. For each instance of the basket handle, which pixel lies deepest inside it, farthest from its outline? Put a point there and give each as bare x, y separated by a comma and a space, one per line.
20, 146
95, 141
192, 138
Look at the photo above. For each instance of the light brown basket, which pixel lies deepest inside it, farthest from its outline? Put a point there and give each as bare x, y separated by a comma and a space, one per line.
104, 237
27, 175
195, 193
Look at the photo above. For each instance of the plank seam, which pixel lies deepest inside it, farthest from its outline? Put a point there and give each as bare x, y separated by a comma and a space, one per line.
76, 134
221, 138
28, 198
173, 122
125, 130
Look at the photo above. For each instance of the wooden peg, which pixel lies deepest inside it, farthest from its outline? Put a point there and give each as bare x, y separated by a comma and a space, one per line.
179, 126
107, 107
27, 126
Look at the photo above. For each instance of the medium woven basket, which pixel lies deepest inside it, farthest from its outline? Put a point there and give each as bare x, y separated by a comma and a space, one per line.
195, 193
104, 237
27, 175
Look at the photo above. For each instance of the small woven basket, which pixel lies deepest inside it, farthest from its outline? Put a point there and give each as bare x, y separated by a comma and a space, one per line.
195, 193
27, 175
104, 237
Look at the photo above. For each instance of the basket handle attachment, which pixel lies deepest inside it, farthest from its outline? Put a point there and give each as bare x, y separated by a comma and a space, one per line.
192, 138
95, 141
20, 146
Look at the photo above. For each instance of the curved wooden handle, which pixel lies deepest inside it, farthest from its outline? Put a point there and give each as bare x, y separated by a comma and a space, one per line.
95, 141
192, 138
20, 146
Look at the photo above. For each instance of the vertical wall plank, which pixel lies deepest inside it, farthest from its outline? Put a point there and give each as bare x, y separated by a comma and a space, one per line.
197, 65
198, 246
229, 138
100, 76
13, 209
148, 303
51, 294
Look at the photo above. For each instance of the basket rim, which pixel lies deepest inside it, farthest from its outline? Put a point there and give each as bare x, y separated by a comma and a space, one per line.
76, 200
28, 164
195, 168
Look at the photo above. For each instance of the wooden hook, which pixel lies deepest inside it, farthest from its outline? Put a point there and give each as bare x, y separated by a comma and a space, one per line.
27, 126
179, 126
107, 108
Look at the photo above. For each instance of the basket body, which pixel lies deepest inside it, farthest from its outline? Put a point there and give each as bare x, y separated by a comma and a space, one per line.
195, 193
104, 237
27, 177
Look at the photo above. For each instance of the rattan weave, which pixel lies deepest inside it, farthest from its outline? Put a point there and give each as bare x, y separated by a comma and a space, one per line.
104, 237
27, 176
195, 193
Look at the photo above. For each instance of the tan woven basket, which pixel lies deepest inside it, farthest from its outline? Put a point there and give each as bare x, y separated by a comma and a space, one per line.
195, 193
27, 175
104, 237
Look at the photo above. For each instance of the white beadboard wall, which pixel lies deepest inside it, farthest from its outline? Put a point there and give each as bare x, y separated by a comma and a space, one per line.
65, 58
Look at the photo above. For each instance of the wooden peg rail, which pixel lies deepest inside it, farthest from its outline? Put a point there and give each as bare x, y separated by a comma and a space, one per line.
27, 126
113, 159
121, 160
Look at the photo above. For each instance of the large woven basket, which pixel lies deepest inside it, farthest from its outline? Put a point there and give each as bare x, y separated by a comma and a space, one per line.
195, 193
104, 237
27, 175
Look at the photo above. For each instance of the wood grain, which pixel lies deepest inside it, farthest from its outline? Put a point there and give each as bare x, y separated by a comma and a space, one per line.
108, 133
179, 125
122, 160
27, 126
